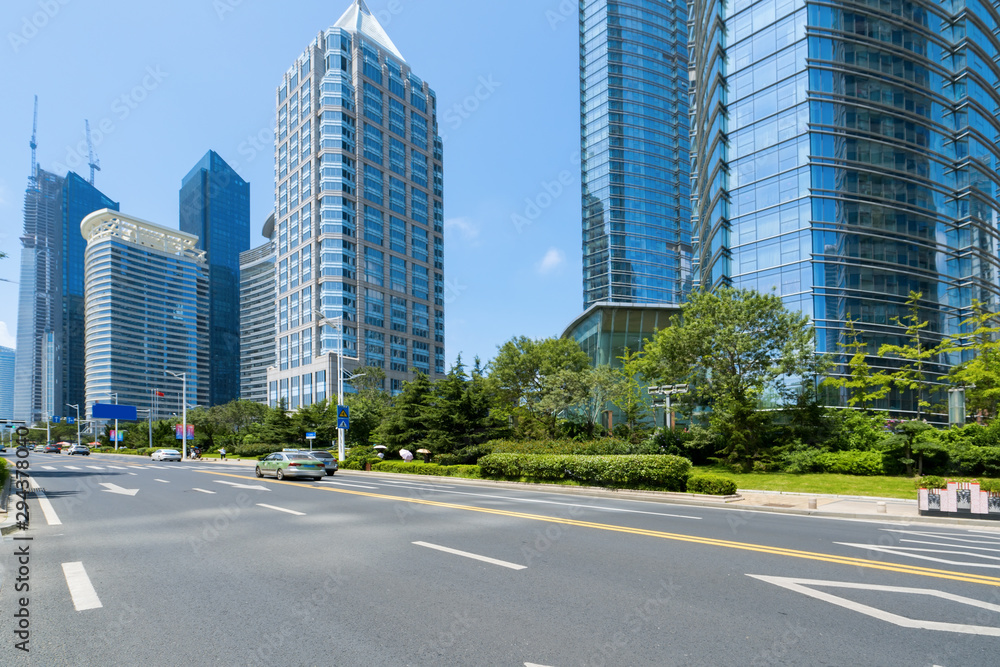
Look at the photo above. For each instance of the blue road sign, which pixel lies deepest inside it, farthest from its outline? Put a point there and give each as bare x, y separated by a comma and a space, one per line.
343, 417
344, 424
55, 420
112, 411
310, 435
70, 420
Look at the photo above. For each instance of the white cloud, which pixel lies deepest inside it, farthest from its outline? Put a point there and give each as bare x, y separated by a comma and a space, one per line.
6, 338
467, 229
553, 259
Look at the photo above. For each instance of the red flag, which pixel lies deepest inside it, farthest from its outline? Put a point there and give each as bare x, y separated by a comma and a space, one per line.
160, 393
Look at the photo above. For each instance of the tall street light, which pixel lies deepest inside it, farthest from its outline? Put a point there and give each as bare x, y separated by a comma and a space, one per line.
184, 418
115, 394
77, 408
338, 324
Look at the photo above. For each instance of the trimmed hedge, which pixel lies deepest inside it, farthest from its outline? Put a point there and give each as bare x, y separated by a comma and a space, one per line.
658, 471
851, 462
600, 447
251, 450
715, 485
935, 482
418, 468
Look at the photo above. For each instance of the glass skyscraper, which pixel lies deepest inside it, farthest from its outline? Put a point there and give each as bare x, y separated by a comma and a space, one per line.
258, 320
146, 312
360, 214
635, 151
846, 155
49, 366
6, 383
215, 207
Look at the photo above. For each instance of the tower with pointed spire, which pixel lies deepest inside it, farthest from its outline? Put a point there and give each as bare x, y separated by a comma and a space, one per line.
359, 215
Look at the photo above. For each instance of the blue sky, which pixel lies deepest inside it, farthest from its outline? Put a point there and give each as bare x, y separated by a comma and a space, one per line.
169, 81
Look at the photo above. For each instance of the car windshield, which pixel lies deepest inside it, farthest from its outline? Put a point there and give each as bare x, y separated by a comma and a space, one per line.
322, 455
298, 456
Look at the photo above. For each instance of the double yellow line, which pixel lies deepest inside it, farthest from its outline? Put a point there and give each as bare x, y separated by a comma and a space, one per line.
728, 544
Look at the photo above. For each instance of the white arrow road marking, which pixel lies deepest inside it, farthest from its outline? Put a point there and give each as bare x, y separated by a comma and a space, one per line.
80, 588
163, 480
114, 488
281, 509
485, 559
203, 490
51, 517
242, 486
908, 551
801, 586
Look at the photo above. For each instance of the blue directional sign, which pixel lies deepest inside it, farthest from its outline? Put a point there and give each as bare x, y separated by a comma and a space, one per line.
55, 420
112, 411
343, 417
70, 420
310, 435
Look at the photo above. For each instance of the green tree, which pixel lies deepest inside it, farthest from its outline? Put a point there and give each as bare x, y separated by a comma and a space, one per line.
980, 375
524, 374
730, 346
915, 354
276, 429
627, 394
406, 423
865, 388
602, 383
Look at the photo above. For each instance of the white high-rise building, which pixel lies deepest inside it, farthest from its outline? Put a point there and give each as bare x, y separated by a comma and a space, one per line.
359, 215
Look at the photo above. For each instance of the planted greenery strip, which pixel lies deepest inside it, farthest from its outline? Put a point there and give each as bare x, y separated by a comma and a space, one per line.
935, 482
851, 463
662, 471
716, 485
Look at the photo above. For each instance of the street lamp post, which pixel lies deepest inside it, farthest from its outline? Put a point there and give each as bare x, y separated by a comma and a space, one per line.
338, 324
77, 408
184, 418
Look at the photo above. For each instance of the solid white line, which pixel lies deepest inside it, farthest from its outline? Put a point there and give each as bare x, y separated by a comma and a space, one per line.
71, 468
802, 586
163, 480
957, 537
943, 544
907, 551
203, 490
51, 517
95, 467
281, 509
339, 483
49, 468
485, 559
134, 473
117, 468
427, 484
84, 595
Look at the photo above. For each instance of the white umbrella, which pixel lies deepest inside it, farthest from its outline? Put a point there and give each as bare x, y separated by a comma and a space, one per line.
379, 447
406, 454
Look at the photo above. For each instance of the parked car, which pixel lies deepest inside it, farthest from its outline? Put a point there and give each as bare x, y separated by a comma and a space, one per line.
290, 464
328, 459
165, 455
52, 449
83, 450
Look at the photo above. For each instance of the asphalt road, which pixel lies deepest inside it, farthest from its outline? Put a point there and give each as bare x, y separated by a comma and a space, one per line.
206, 565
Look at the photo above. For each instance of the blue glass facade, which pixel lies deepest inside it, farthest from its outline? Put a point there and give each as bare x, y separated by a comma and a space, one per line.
845, 156
215, 207
635, 151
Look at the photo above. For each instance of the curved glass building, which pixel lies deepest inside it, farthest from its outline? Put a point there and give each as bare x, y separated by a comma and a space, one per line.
635, 152
845, 155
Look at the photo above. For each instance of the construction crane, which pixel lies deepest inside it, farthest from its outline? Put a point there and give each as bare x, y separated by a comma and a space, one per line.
95, 164
33, 178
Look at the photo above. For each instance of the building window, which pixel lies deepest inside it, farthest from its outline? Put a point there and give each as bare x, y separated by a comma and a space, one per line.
320, 386
397, 274
421, 320
397, 235
374, 308
398, 314
374, 266
307, 389
283, 353
374, 232
294, 343
398, 350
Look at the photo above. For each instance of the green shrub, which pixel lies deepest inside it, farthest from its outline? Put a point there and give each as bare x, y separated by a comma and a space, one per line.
418, 468
601, 447
465, 456
851, 462
938, 482
251, 450
801, 460
715, 485
655, 471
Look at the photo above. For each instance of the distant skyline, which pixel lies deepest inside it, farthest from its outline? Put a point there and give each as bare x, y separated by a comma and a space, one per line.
201, 75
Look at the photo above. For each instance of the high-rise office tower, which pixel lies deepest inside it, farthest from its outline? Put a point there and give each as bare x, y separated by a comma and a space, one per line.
844, 156
258, 321
215, 207
635, 159
146, 312
6, 383
635, 151
359, 215
49, 366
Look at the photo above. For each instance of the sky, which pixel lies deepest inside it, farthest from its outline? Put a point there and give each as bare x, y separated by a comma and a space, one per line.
162, 83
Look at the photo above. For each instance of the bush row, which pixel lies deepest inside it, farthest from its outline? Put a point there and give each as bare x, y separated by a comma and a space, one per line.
715, 485
936, 482
258, 449
657, 471
418, 468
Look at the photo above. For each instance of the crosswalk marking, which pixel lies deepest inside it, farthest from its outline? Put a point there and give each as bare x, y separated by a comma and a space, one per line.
80, 588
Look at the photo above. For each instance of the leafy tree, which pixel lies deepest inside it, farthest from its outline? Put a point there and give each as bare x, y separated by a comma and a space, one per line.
865, 388
980, 375
369, 405
913, 435
276, 429
627, 393
525, 372
406, 424
730, 346
602, 383
916, 353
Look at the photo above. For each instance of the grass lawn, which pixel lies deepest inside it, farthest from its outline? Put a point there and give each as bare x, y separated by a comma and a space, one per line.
845, 485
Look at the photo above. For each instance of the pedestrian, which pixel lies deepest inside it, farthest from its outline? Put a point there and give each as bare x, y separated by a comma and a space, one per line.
222, 453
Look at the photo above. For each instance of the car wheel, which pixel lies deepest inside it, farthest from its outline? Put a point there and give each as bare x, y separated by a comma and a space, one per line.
257, 472
280, 474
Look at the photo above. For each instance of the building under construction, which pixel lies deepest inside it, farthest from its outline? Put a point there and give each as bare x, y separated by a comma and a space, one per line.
49, 366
